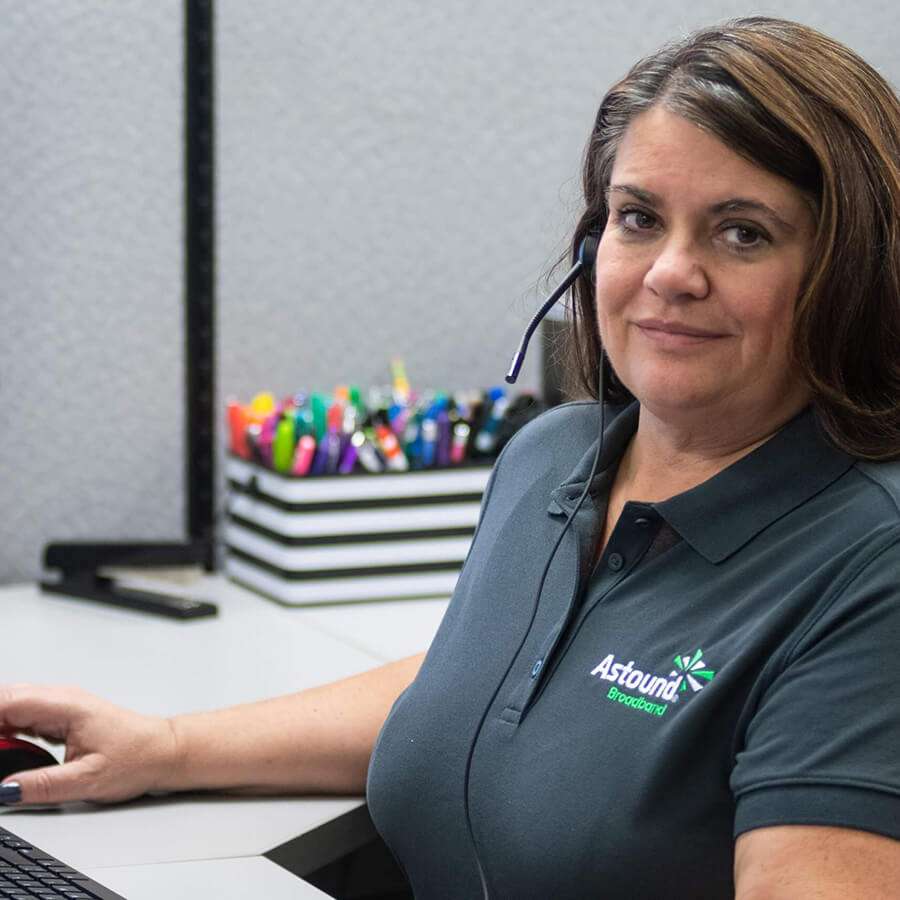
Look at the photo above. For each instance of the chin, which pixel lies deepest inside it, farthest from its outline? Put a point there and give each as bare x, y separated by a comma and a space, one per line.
676, 395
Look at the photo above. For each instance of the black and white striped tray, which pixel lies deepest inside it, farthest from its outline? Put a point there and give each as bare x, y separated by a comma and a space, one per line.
331, 539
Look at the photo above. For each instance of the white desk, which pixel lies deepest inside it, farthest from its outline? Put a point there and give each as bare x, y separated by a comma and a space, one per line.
253, 649
222, 879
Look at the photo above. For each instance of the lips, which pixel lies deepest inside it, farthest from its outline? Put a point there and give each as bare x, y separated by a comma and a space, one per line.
677, 328
677, 337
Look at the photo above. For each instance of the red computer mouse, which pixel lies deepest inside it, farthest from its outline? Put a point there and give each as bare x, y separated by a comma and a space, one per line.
16, 755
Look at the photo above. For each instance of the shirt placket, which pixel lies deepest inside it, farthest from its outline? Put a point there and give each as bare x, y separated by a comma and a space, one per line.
583, 532
631, 539
629, 542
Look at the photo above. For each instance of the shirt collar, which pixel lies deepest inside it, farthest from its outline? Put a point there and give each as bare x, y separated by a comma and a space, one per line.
618, 431
725, 512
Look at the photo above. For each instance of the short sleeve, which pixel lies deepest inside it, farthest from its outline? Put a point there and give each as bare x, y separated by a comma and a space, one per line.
823, 745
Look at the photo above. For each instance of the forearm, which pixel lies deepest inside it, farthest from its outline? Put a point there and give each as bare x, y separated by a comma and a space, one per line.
315, 741
815, 862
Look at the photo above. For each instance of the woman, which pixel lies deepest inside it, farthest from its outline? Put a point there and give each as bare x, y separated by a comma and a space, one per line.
669, 666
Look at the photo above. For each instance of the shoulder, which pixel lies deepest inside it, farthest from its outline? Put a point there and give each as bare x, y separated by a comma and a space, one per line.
860, 527
883, 484
542, 453
860, 521
864, 507
568, 428
859, 503
551, 445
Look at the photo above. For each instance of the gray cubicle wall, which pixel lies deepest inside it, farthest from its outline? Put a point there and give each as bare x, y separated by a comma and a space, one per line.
394, 178
90, 274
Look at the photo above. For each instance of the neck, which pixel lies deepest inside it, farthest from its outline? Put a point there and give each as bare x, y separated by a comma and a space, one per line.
668, 456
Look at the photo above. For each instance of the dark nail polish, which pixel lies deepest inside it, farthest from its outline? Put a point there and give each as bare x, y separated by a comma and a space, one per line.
10, 792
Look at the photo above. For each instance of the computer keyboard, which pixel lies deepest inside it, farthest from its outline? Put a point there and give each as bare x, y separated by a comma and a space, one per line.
27, 873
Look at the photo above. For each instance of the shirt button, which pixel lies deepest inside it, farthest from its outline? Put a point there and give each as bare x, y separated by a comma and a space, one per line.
643, 521
615, 561
536, 668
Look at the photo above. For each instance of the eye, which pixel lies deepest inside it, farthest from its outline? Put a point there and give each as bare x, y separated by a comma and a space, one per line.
636, 220
744, 237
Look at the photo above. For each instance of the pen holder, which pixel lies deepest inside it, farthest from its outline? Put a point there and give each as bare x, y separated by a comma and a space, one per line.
321, 539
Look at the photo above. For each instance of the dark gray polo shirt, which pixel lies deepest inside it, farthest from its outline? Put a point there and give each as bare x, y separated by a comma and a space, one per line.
732, 662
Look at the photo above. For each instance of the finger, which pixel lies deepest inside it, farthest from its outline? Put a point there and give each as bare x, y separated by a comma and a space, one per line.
58, 784
9, 732
36, 709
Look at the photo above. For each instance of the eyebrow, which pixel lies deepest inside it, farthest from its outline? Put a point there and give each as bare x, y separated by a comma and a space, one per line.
733, 204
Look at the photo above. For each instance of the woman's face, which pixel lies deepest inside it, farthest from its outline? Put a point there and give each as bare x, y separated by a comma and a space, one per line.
698, 271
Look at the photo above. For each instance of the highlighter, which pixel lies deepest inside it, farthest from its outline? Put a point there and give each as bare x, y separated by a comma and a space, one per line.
237, 428
354, 395
367, 454
266, 437
460, 440
412, 440
400, 381
398, 415
320, 460
429, 441
303, 455
333, 438
350, 420
262, 406
443, 437
253, 435
487, 437
303, 422
390, 446
319, 416
283, 445
348, 460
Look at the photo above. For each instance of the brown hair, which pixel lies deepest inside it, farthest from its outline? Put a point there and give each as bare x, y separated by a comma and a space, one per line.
808, 109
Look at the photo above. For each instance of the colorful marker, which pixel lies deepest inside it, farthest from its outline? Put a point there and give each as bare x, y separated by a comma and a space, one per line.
443, 437
400, 381
303, 455
237, 428
262, 406
319, 416
368, 456
283, 445
351, 452
487, 437
429, 441
333, 438
390, 447
460, 441
399, 429
253, 434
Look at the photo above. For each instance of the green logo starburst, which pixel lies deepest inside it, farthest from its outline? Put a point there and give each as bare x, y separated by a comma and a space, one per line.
692, 667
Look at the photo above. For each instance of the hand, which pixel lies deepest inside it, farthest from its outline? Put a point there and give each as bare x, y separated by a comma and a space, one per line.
112, 754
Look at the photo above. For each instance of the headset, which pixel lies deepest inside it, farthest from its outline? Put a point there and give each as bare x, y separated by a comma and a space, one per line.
584, 262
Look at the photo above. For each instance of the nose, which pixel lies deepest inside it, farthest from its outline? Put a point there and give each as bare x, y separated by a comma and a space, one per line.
677, 273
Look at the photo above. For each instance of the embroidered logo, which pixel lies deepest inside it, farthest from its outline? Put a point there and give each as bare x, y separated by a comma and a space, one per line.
692, 668
690, 671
